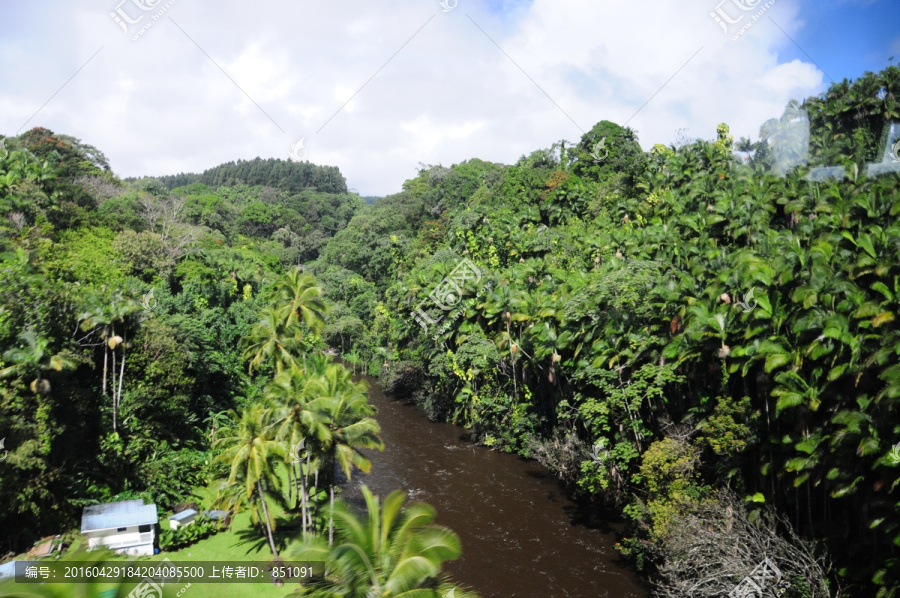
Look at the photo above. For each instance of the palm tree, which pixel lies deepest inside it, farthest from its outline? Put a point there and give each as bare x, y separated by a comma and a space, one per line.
273, 338
296, 425
303, 297
346, 413
396, 551
250, 453
103, 318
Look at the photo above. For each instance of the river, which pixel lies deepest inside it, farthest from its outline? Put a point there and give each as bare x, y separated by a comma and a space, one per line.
521, 535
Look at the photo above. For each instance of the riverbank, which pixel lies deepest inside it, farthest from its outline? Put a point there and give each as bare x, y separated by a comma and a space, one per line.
522, 535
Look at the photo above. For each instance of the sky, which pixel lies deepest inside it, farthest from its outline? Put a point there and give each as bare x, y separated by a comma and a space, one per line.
379, 88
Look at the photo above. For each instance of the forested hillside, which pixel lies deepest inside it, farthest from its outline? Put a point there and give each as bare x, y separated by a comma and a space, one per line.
681, 333
123, 311
293, 177
698, 336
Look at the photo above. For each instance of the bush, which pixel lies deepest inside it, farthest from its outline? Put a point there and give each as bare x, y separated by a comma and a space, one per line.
403, 379
202, 528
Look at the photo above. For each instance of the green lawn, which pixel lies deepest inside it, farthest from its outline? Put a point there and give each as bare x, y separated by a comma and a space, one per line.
244, 541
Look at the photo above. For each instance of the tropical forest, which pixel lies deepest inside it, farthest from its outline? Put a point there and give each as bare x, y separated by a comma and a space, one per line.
690, 354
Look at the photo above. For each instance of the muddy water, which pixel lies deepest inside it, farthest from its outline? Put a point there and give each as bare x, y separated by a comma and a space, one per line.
521, 535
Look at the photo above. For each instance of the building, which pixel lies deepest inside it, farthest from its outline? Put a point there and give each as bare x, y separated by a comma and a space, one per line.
222, 517
182, 519
127, 526
8, 570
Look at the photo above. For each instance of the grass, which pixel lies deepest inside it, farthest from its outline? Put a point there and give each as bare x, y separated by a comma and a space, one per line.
242, 542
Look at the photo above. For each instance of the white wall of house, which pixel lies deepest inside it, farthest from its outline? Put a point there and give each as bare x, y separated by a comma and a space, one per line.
175, 524
128, 541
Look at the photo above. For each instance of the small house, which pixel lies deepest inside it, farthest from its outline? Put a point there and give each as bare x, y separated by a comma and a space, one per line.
8, 570
126, 526
223, 517
182, 519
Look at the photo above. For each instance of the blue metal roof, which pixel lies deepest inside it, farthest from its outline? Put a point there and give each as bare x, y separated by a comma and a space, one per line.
112, 515
217, 514
183, 515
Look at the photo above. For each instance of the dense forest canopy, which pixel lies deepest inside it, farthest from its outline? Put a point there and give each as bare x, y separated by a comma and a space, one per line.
698, 335
286, 175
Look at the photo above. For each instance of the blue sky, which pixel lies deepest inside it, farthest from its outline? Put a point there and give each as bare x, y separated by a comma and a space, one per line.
378, 87
847, 38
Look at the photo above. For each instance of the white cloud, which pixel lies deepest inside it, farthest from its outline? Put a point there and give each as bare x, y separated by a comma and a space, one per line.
160, 106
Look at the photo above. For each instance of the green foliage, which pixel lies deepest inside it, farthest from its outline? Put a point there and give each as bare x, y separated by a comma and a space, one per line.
640, 298
729, 430
202, 527
397, 550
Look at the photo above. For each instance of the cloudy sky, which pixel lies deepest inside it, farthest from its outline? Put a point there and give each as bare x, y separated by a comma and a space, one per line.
377, 87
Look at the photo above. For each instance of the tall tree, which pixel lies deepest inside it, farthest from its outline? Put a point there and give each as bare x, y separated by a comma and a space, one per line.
250, 454
396, 551
273, 339
108, 318
349, 426
298, 426
303, 297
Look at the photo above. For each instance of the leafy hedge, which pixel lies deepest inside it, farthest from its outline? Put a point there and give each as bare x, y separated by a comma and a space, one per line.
202, 528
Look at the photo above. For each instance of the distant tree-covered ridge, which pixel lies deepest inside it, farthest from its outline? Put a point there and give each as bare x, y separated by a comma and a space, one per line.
285, 175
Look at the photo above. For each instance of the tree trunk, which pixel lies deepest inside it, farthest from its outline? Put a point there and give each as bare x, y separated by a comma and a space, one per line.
268, 523
331, 519
118, 398
331, 500
105, 361
316, 482
292, 482
307, 491
115, 410
301, 478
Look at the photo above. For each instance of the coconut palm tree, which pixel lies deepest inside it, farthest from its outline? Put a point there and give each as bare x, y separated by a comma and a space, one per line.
348, 425
303, 297
296, 425
250, 453
396, 551
273, 338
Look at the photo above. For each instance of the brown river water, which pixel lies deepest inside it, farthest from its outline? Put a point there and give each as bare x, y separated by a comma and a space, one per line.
521, 535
